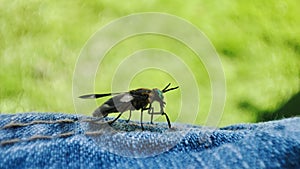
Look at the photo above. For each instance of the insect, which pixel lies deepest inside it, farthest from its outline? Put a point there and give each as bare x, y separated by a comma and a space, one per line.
137, 99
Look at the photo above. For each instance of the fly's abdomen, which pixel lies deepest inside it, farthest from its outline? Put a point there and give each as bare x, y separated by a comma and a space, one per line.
104, 110
113, 105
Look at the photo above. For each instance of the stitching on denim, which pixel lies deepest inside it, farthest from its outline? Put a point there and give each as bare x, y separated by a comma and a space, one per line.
62, 135
13, 124
36, 137
87, 120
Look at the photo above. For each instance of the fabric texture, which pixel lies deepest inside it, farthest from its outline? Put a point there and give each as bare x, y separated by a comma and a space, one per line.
52, 140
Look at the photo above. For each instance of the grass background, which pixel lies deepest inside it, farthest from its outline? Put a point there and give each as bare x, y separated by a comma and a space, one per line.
258, 42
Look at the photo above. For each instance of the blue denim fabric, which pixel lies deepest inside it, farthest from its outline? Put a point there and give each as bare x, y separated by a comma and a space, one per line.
273, 144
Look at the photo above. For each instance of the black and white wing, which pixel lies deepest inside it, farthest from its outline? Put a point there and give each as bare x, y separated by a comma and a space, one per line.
95, 96
118, 103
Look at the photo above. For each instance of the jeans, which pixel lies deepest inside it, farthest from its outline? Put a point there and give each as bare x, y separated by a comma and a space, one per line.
53, 140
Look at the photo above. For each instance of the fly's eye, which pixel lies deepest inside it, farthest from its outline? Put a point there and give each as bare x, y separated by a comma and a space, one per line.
160, 94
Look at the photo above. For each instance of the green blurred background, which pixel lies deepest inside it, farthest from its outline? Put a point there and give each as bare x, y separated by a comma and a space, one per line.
258, 42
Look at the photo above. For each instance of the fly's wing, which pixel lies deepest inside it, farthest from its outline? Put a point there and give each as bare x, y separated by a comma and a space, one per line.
95, 96
122, 102
118, 103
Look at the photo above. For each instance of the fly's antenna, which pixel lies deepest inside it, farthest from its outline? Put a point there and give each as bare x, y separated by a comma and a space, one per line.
166, 88
170, 89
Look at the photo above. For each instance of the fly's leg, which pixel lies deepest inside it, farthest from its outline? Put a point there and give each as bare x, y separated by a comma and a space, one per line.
142, 120
163, 113
150, 111
129, 117
111, 122
168, 120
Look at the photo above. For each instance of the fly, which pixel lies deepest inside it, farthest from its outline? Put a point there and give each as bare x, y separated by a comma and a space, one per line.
137, 99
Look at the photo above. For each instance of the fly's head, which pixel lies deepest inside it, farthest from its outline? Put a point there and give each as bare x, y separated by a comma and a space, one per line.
157, 95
